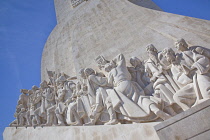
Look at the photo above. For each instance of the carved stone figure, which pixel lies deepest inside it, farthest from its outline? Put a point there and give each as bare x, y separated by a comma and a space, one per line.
186, 55
155, 71
126, 98
64, 92
138, 75
202, 77
77, 113
164, 85
163, 90
20, 115
196, 65
23, 98
185, 97
60, 99
23, 107
73, 117
29, 115
79, 107
48, 103
37, 105
97, 86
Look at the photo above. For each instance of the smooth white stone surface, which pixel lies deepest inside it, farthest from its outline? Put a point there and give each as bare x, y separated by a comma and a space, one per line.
144, 131
193, 124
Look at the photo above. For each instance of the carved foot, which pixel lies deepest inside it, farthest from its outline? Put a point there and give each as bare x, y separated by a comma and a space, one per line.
77, 124
46, 125
28, 126
34, 125
112, 122
61, 124
163, 115
88, 124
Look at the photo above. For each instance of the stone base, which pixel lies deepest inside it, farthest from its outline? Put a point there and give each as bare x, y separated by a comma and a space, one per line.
144, 131
193, 124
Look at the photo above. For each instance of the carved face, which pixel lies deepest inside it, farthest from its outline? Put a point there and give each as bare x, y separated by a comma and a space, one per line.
199, 50
169, 55
43, 84
108, 67
152, 54
89, 71
34, 88
135, 61
82, 74
181, 45
72, 87
151, 50
30, 92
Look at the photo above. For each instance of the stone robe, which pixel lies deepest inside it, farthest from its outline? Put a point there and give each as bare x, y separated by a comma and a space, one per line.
202, 77
95, 85
23, 99
49, 101
138, 75
126, 97
78, 109
161, 83
185, 96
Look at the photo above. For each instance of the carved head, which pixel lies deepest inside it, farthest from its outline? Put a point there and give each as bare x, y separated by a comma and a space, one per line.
89, 71
82, 73
169, 54
61, 80
151, 50
109, 66
101, 61
153, 53
135, 61
34, 88
71, 85
200, 50
181, 45
44, 84
30, 92
24, 91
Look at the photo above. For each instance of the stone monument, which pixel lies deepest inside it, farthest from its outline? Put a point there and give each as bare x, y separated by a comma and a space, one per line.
113, 69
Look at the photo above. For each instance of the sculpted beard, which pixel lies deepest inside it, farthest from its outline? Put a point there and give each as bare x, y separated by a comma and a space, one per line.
153, 57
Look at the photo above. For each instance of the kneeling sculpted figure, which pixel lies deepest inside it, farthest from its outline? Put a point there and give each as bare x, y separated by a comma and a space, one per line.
97, 89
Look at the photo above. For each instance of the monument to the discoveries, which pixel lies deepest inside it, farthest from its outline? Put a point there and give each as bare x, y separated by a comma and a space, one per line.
99, 71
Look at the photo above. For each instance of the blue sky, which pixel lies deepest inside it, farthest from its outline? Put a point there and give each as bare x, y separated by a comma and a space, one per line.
192, 8
24, 28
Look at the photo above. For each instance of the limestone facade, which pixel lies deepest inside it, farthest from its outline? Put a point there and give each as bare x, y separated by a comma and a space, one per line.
111, 132
107, 27
192, 125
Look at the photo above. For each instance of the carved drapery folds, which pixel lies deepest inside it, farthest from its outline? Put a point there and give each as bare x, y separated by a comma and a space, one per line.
152, 90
